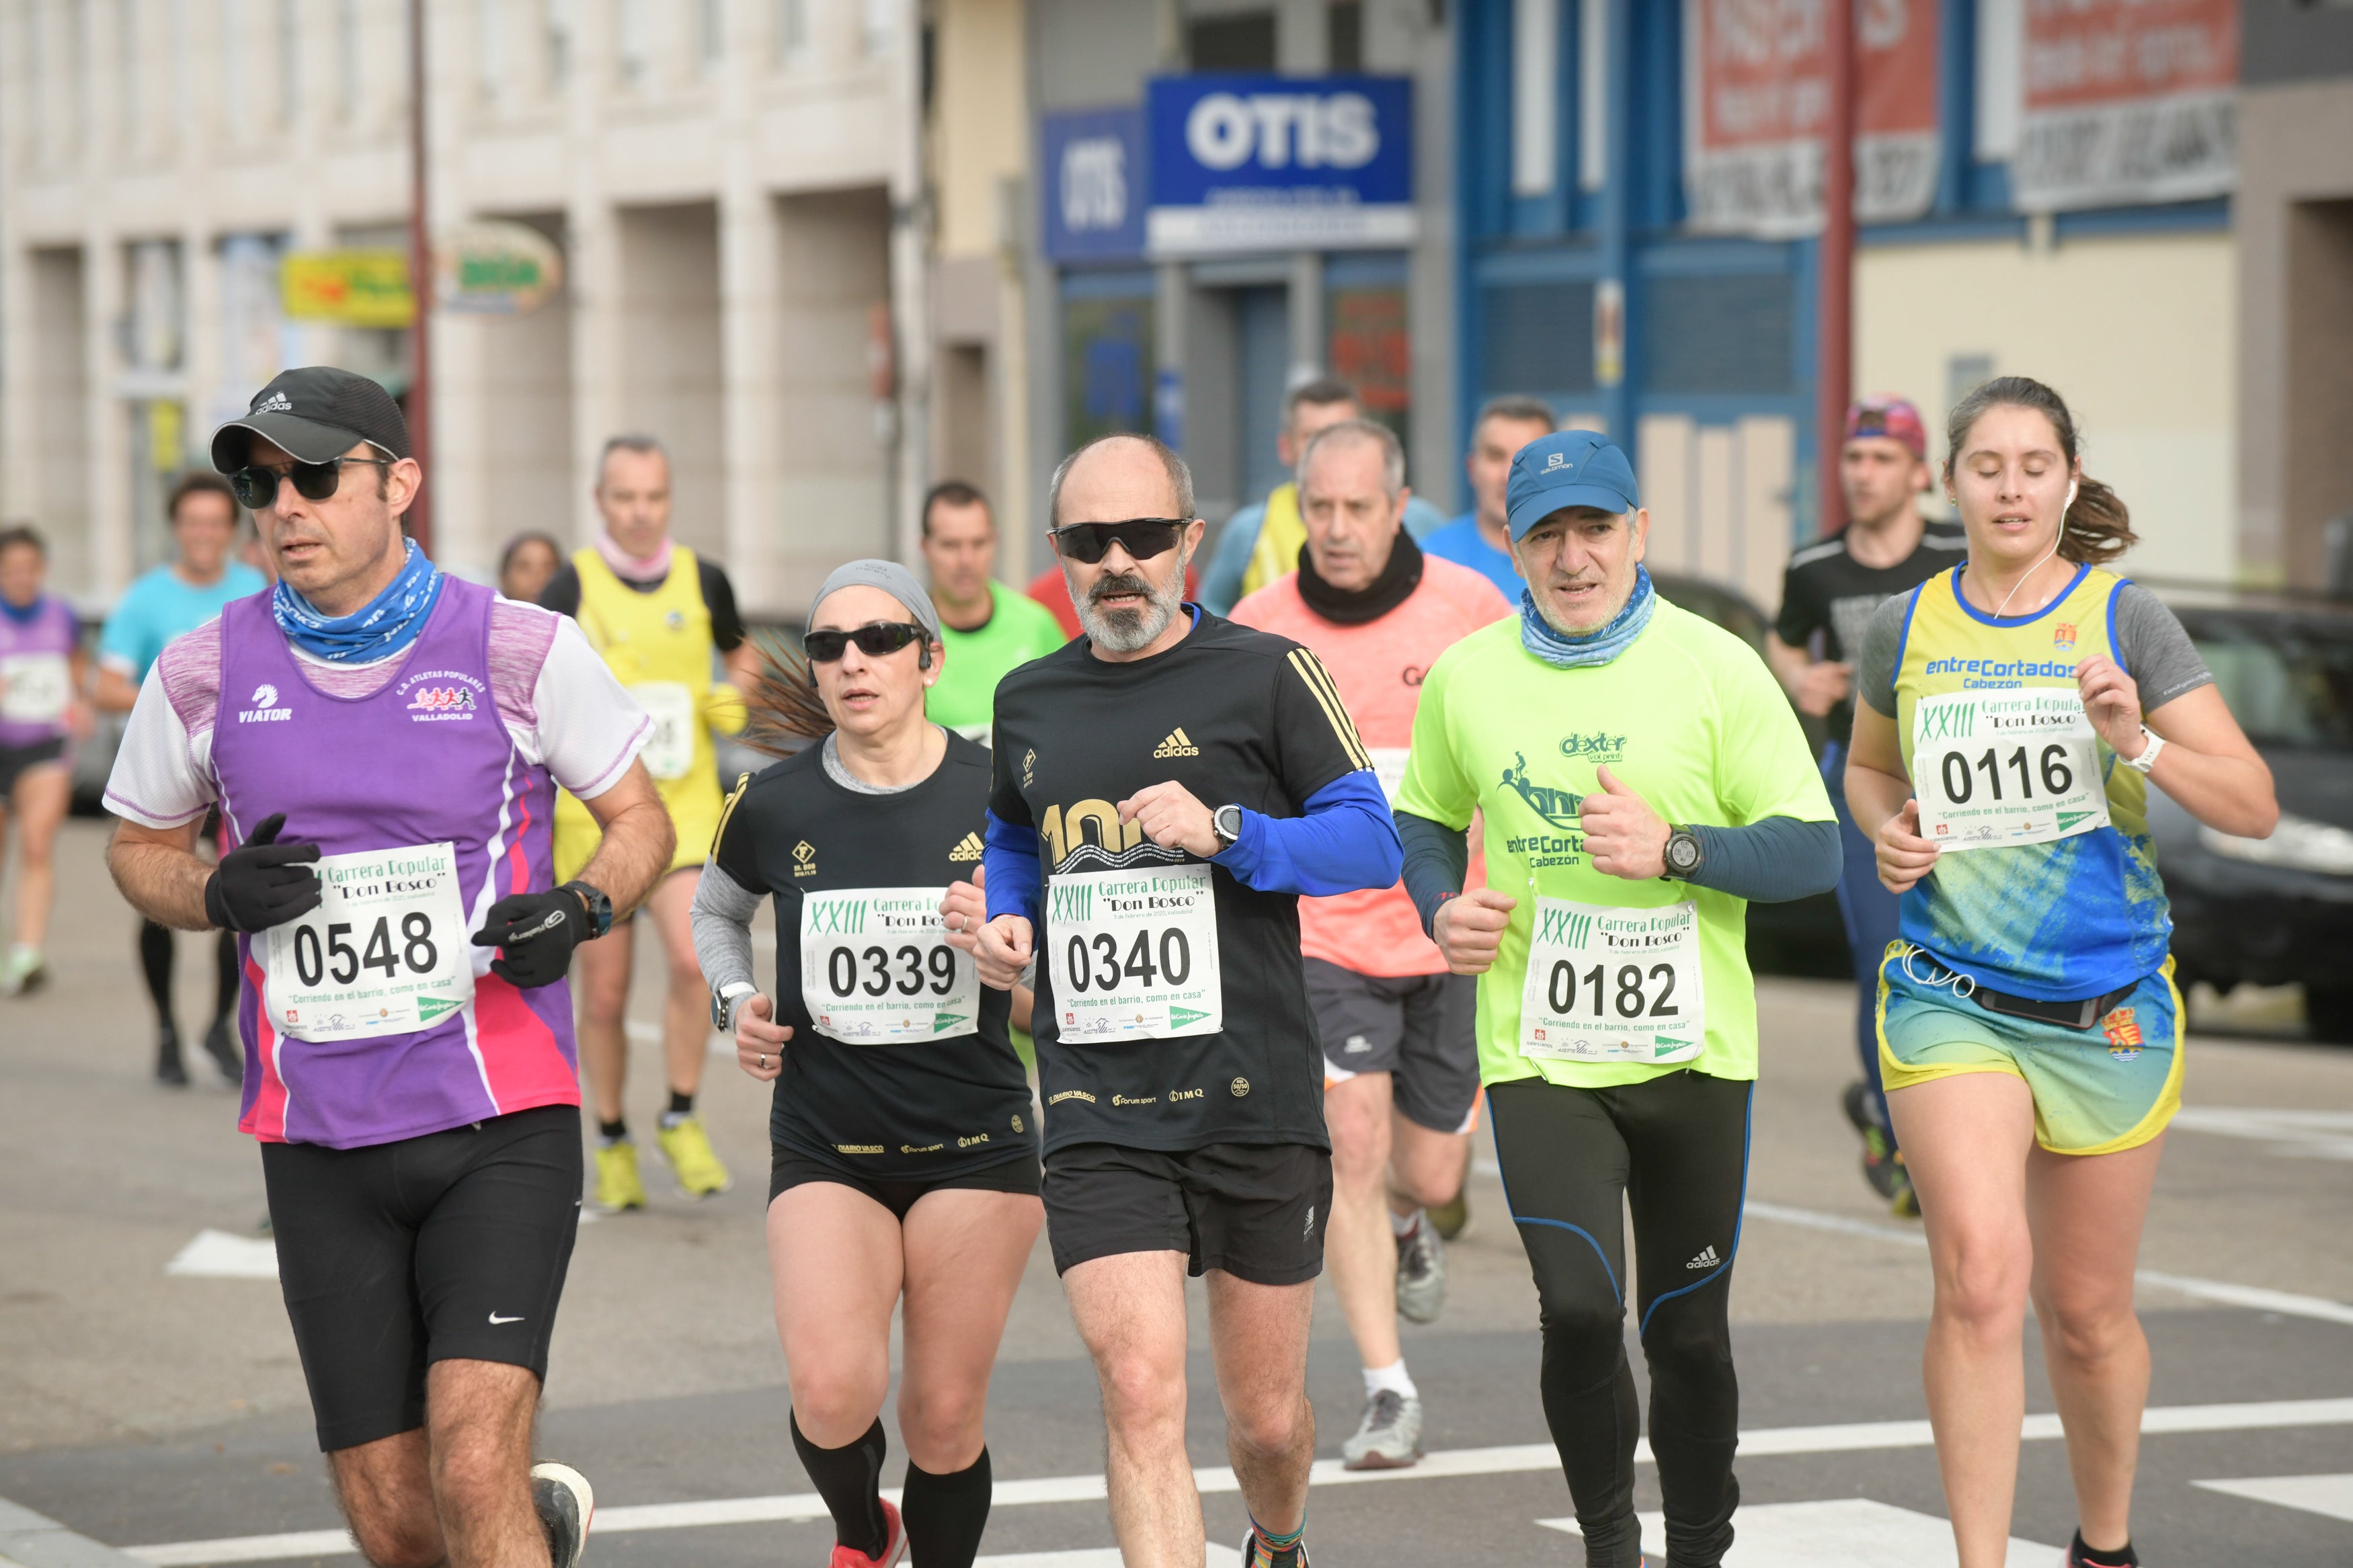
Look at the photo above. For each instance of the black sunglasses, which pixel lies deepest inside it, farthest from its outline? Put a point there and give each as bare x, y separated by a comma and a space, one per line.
257, 486
874, 641
1142, 537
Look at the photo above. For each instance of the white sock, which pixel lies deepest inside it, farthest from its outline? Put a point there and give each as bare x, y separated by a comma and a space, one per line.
1401, 1225
1393, 1377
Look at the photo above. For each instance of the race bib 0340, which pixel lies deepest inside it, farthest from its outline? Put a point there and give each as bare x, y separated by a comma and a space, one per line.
1132, 954
1994, 768
1609, 984
383, 954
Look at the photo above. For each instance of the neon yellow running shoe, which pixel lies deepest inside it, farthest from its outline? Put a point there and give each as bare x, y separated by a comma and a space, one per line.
617, 1186
688, 1149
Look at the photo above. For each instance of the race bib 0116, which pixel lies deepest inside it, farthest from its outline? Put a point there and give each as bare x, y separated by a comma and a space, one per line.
1997, 768
1608, 984
1132, 954
34, 687
877, 968
670, 754
383, 954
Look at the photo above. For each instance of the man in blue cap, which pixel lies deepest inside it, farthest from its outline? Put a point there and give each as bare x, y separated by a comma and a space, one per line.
1641, 778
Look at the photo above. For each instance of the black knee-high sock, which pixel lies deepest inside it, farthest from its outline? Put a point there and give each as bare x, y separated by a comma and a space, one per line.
945, 1514
155, 963
851, 1481
225, 977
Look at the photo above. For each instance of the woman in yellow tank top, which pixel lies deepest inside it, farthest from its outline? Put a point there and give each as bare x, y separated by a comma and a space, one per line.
2013, 716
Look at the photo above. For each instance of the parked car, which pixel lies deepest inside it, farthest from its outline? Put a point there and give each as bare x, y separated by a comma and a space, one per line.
1805, 936
2279, 909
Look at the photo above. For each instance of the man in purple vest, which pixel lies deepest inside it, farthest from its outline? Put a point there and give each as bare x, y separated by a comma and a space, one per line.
384, 744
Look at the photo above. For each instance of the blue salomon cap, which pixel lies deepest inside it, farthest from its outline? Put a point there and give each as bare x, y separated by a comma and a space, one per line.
1567, 468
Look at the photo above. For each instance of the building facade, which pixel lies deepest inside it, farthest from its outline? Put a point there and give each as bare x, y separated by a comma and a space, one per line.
732, 186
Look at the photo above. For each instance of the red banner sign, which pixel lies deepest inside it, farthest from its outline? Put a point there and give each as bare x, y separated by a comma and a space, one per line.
2127, 100
1757, 96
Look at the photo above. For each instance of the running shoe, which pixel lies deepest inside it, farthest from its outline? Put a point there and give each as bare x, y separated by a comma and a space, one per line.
2076, 1558
1258, 1554
1905, 1204
27, 971
1389, 1437
1882, 1165
567, 1503
1452, 1218
894, 1545
696, 1164
617, 1186
221, 1044
1421, 1272
170, 1070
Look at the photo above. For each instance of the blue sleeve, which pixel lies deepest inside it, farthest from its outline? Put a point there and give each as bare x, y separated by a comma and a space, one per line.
1437, 859
1221, 589
1771, 860
123, 641
1010, 856
1345, 841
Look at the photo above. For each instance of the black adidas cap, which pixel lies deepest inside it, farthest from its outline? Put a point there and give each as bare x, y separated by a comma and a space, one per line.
315, 413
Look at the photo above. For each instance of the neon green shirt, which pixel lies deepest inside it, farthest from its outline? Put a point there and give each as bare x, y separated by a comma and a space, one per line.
1691, 719
1017, 630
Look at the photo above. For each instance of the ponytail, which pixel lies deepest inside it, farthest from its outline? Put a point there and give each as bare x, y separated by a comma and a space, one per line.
2098, 527
785, 712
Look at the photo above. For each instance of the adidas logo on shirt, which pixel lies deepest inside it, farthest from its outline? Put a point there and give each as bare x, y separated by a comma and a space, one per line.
1177, 744
968, 849
1706, 1260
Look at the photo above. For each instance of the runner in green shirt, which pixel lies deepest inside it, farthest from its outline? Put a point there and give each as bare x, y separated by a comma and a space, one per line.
987, 629
1640, 778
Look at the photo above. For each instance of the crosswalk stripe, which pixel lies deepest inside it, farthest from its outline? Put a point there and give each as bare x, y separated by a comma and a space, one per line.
1847, 1532
1859, 1437
2330, 1495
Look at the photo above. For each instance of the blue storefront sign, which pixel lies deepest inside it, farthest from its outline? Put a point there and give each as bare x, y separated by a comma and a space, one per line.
1094, 186
1254, 164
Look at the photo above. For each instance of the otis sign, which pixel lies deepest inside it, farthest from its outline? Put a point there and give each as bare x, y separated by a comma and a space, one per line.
1253, 164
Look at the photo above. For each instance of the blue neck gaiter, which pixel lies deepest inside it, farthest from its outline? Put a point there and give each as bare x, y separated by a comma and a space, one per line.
377, 630
1537, 635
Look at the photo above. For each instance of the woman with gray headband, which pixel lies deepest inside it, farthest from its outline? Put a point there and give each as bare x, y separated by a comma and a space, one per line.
905, 1146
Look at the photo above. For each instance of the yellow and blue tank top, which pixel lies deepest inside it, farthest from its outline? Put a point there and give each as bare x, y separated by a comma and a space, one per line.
2073, 918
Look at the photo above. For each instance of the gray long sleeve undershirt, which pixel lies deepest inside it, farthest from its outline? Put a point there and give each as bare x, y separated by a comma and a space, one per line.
1770, 861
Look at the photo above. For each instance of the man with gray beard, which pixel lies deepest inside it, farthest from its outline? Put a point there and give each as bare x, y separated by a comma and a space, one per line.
1165, 788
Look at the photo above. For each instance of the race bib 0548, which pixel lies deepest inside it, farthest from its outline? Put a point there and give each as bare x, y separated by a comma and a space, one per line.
1992, 768
1132, 954
877, 968
383, 954
1609, 984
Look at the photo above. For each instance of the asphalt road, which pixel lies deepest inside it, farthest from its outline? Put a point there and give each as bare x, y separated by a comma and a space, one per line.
149, 1409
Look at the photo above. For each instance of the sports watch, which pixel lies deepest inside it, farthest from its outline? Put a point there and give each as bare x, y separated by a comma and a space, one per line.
2151, 744
1226, 822
1682, 854
599, 907
725, 1000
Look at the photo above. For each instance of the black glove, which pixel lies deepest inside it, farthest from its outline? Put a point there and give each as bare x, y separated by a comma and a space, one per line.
536, 932
261, 882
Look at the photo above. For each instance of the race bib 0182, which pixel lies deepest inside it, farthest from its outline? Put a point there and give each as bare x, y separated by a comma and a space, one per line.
383, 954
1132, 954
1609, 984
670, 754
1995, 768
877, 968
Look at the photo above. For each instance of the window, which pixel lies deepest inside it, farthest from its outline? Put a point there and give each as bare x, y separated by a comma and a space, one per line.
1536, 338
347, 60
290, 63
1346, 34
1241, 42
634, 43
490, 49
556, 26
713, 32
1536, 97
1592, 94
792, 28
2001, 97
1722, 334
879, 18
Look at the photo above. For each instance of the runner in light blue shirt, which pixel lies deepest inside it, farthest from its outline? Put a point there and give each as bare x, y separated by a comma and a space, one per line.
1477, 538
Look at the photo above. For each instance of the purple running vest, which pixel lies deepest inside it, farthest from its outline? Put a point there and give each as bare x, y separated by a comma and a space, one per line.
426, 759
54, 630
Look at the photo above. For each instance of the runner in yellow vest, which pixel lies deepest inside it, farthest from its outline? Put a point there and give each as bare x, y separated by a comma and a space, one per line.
657, 614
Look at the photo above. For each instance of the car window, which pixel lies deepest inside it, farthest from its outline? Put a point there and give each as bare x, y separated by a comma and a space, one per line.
2285, 686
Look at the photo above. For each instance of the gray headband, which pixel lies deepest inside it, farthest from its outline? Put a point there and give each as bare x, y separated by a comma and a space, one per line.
892, 579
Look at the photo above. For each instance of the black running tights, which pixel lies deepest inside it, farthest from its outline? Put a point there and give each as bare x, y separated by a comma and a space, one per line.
155, 963
1675, 1149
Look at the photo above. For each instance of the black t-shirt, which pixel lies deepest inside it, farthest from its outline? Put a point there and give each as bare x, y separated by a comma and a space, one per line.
1827, 589
561, 594
894, 1111
1234, 715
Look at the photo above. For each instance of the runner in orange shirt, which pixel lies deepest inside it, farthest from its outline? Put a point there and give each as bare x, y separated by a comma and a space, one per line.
1400, 1057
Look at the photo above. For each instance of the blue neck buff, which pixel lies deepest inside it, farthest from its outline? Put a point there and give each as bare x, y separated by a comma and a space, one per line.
1537, 635
377, 630
23, 615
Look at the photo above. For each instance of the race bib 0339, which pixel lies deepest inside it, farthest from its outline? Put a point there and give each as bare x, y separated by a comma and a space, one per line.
1132, 954
877, 968
1994, 768
383, 954
1609, 984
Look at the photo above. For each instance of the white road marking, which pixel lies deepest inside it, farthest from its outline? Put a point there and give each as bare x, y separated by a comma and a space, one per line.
2330, 1495
1852, 1533
799, 1506
2297, 1134
1093, 1557
2253, 1297
217, 1255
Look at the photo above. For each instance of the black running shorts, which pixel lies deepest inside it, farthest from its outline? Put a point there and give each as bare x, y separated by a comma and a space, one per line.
448, 1247
15, 761
1420, 1029
789, 1168
1255, 1210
